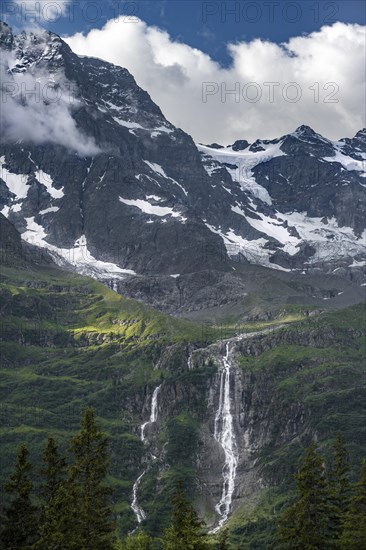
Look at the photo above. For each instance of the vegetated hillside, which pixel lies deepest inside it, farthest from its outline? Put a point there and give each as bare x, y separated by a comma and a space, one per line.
306, 381
68, 341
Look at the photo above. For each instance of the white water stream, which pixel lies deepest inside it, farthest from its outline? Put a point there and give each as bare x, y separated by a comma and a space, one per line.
139, 512
224, 433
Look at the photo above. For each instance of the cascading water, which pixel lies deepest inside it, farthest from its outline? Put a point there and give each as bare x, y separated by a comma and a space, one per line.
139, 512
190, 361
224, 433
153, 413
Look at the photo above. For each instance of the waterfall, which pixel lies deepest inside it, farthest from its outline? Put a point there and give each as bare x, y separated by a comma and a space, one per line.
139, 512
225, 435
190, 361
153, 413
154, 405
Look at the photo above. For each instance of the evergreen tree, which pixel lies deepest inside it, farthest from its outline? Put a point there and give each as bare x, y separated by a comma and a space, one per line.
93, 524
140, 541
307, 524
354, 533
186, 528
54, 510
20, 521
61, 528
339, 483
53, 471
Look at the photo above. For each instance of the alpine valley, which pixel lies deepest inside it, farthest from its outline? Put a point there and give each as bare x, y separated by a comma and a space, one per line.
206, 300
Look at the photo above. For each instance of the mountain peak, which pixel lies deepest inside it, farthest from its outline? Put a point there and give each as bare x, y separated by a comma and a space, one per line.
215, 146
240, 145
306, 134
303, 129
6, 35
38, 46
4, 27
361, 133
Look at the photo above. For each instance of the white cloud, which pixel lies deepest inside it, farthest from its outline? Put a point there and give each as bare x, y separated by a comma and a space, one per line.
38, 109
173, 73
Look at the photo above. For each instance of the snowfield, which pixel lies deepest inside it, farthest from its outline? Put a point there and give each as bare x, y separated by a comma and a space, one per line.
78, 256
245, 161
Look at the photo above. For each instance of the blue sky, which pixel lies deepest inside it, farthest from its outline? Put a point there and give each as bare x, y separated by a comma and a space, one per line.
209, 26
269, 65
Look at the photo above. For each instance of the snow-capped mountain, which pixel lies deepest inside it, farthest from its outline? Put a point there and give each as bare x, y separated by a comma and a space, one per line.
92, 171
306, 194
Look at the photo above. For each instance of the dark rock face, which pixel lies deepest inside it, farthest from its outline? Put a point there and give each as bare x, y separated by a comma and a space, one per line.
9, 237
263, 416
240, 145
215, 146
6, 36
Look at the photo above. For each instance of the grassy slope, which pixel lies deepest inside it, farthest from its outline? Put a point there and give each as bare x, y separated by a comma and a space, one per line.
68, 341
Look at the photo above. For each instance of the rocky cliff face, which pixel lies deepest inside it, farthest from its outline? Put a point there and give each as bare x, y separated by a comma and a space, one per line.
238, 458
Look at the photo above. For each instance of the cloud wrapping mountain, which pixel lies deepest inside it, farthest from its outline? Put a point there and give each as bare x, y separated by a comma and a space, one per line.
38, 105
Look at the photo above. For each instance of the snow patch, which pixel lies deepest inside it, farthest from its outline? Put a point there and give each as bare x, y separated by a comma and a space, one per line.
16, 183
160, 170
161, 130
269, 227
156, 168
46, 180
253, 250
355, 263
130, 125
48, 210
148, 208
347, 162
154, 198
